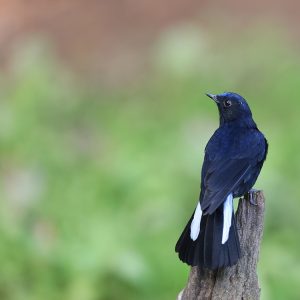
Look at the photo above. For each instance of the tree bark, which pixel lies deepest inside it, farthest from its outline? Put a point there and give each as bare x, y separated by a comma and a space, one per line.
239, 281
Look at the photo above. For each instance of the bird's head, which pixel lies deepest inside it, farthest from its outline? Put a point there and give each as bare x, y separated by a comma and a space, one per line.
231, 107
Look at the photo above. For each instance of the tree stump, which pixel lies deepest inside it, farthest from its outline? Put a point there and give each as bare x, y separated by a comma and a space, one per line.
239, 281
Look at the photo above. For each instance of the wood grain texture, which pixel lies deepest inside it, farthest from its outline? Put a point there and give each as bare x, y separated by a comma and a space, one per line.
239, 281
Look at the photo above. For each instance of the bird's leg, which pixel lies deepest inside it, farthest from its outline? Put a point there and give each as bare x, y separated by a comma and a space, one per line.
251, 197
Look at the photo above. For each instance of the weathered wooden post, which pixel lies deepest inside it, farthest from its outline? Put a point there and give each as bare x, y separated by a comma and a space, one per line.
239, 282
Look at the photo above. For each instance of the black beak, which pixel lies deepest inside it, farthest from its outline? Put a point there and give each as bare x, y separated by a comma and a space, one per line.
214, 97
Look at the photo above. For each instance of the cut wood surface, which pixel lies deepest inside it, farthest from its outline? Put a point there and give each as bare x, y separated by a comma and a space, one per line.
239, 281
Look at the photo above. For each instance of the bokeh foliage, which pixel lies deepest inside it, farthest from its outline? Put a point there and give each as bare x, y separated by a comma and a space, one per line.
97, 182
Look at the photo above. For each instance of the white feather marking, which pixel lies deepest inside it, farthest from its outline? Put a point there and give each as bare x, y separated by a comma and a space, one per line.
195, 225
227, 216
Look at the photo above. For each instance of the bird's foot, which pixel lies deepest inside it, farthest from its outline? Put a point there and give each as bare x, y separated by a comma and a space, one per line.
251, 197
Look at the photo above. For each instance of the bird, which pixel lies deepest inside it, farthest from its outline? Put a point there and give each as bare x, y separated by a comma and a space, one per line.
233, 159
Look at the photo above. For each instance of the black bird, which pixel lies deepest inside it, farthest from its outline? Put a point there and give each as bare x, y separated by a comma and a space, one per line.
233, 159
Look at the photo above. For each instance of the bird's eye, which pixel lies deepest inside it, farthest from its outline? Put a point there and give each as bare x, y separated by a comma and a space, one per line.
227, 103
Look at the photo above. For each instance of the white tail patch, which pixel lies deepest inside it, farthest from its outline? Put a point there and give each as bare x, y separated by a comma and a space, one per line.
227, 216
195, 225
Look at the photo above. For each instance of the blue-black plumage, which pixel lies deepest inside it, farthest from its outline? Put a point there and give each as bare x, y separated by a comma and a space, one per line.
234, 156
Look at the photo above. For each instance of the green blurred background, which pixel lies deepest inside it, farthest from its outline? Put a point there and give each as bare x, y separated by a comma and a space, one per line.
103, 124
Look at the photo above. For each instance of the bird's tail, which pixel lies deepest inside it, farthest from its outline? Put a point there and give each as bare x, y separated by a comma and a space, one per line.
206, 247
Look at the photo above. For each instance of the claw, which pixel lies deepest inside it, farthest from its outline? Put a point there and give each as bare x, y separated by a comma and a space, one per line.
251, 197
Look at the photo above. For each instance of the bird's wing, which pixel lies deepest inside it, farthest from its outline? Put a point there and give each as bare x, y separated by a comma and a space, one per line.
220, 178
223, 172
